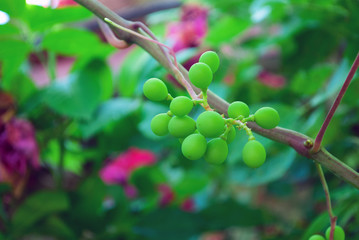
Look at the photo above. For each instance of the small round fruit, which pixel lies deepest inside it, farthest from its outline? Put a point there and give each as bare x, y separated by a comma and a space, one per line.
254, 154
339, 233
267, 117
237, 109
210, 124
231, 135
194, 146
181, 106
159, 124
316, 237
211, 59
200, 75
217, 151
181, 127
155, 89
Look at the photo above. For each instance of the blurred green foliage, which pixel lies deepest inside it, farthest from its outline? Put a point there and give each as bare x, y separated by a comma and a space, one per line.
97, 112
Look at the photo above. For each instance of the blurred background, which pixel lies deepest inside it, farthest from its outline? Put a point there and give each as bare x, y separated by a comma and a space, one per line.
78, 159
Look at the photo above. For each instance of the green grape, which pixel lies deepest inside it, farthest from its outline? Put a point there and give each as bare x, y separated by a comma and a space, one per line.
254, 154
237, 109
267, 117
339, 233
217, 151
231, 135
211, 59
210, 124
181, 127
200, 75
181, 106
194, 146
316, 237
159, 124
155, 89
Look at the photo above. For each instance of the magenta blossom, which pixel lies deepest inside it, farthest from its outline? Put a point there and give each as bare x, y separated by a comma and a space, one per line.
271, 79
118, 171
191, 29
18, 147
167, 195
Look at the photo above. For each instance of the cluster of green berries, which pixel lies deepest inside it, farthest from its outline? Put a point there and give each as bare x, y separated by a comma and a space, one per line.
339, 234
210, 125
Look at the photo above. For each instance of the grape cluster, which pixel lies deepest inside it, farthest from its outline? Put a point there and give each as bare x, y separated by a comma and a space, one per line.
210, 134
339, 234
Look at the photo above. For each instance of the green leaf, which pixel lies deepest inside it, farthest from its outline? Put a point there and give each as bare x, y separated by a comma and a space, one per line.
41, 18
309, 82
12, 54
246, 176
191, 183
75, 42
73, 161
80, 94
37, 206
162, 223
335, 83
21, 87
14, 8
225, 29
54, 226
108, 112
8, 30
131, 71
230, 213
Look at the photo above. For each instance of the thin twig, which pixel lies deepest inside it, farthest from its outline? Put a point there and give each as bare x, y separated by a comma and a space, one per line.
178, 74
333, 218
319, 138
110, 36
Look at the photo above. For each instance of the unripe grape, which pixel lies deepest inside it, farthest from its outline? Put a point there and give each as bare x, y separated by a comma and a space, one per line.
181, 127
159, 124
267, 117
339, 233
231, 135
181, 106
254, 154
200, 75
217, 151
237, 109
194, 146
155, 89
210, 124
211, 59
316, 237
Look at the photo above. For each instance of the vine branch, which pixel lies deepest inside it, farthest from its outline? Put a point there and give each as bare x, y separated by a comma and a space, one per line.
286, 136
328, 118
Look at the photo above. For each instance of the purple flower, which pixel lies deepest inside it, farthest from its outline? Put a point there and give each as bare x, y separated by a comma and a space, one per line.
191, 30
18, 147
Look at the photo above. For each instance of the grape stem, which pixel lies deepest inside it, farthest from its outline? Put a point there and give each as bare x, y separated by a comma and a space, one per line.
153, 39
224, 136
333, 218
328, 118
289, 137
246, 128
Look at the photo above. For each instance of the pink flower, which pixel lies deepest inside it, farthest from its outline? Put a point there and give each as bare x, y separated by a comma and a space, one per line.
191, 29
118, 171
18, 147
65, 3
188, 205
271, 79
166, 194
